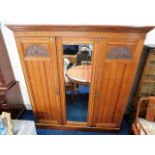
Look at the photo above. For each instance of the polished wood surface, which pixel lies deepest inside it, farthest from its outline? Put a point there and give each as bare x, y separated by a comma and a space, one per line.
76, 126
42, 78
94, 28
114, 78
116, 53
80, 74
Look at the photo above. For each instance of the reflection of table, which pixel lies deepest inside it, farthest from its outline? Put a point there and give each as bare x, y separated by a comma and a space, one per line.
79, 75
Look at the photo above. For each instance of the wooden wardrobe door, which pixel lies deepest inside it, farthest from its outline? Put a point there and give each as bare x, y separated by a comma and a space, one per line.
116, 63
39, 60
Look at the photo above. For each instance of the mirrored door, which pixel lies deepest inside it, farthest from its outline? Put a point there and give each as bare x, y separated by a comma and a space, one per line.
77, 65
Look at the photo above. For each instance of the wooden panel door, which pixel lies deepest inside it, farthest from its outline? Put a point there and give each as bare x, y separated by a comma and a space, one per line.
115, 65
39, 60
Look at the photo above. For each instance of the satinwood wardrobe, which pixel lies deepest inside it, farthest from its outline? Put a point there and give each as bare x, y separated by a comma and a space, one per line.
112, 54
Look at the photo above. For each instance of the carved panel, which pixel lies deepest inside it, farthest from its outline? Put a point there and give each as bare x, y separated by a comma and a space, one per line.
119, 53
36, 51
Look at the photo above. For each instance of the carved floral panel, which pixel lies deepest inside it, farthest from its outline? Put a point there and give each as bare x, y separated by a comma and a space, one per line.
119, 53
36, 51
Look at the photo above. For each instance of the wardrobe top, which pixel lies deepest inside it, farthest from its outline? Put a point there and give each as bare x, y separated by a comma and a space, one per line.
90, 28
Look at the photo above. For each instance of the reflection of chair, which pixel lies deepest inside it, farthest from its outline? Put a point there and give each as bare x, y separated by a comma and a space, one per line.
83, 57
145, 126
71, 58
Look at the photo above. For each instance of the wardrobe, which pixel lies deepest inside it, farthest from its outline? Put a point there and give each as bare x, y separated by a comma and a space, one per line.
115, 57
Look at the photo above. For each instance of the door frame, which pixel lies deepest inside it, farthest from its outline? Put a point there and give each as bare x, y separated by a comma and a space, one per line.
75, 40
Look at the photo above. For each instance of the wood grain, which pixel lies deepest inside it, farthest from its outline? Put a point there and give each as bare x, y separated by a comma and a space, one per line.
42, 76
95, 28
113, 84
111, 79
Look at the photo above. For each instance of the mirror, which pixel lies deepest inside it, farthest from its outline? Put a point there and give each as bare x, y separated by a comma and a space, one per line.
77, 77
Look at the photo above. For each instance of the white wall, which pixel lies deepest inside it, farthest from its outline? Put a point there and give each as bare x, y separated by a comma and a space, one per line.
98, 12
88, 12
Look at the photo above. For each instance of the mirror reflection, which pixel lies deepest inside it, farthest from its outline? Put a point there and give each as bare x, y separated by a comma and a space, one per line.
77, 77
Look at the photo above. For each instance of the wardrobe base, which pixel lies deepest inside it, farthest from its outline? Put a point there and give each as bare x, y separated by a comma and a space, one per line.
76, 128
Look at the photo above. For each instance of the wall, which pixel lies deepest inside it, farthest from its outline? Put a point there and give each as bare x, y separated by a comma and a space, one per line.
94, 12
98, 12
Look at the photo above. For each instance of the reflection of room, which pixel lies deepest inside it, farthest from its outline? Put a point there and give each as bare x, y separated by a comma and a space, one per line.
77, 70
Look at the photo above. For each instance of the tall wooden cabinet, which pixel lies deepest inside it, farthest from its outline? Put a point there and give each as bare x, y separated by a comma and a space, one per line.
116, 54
